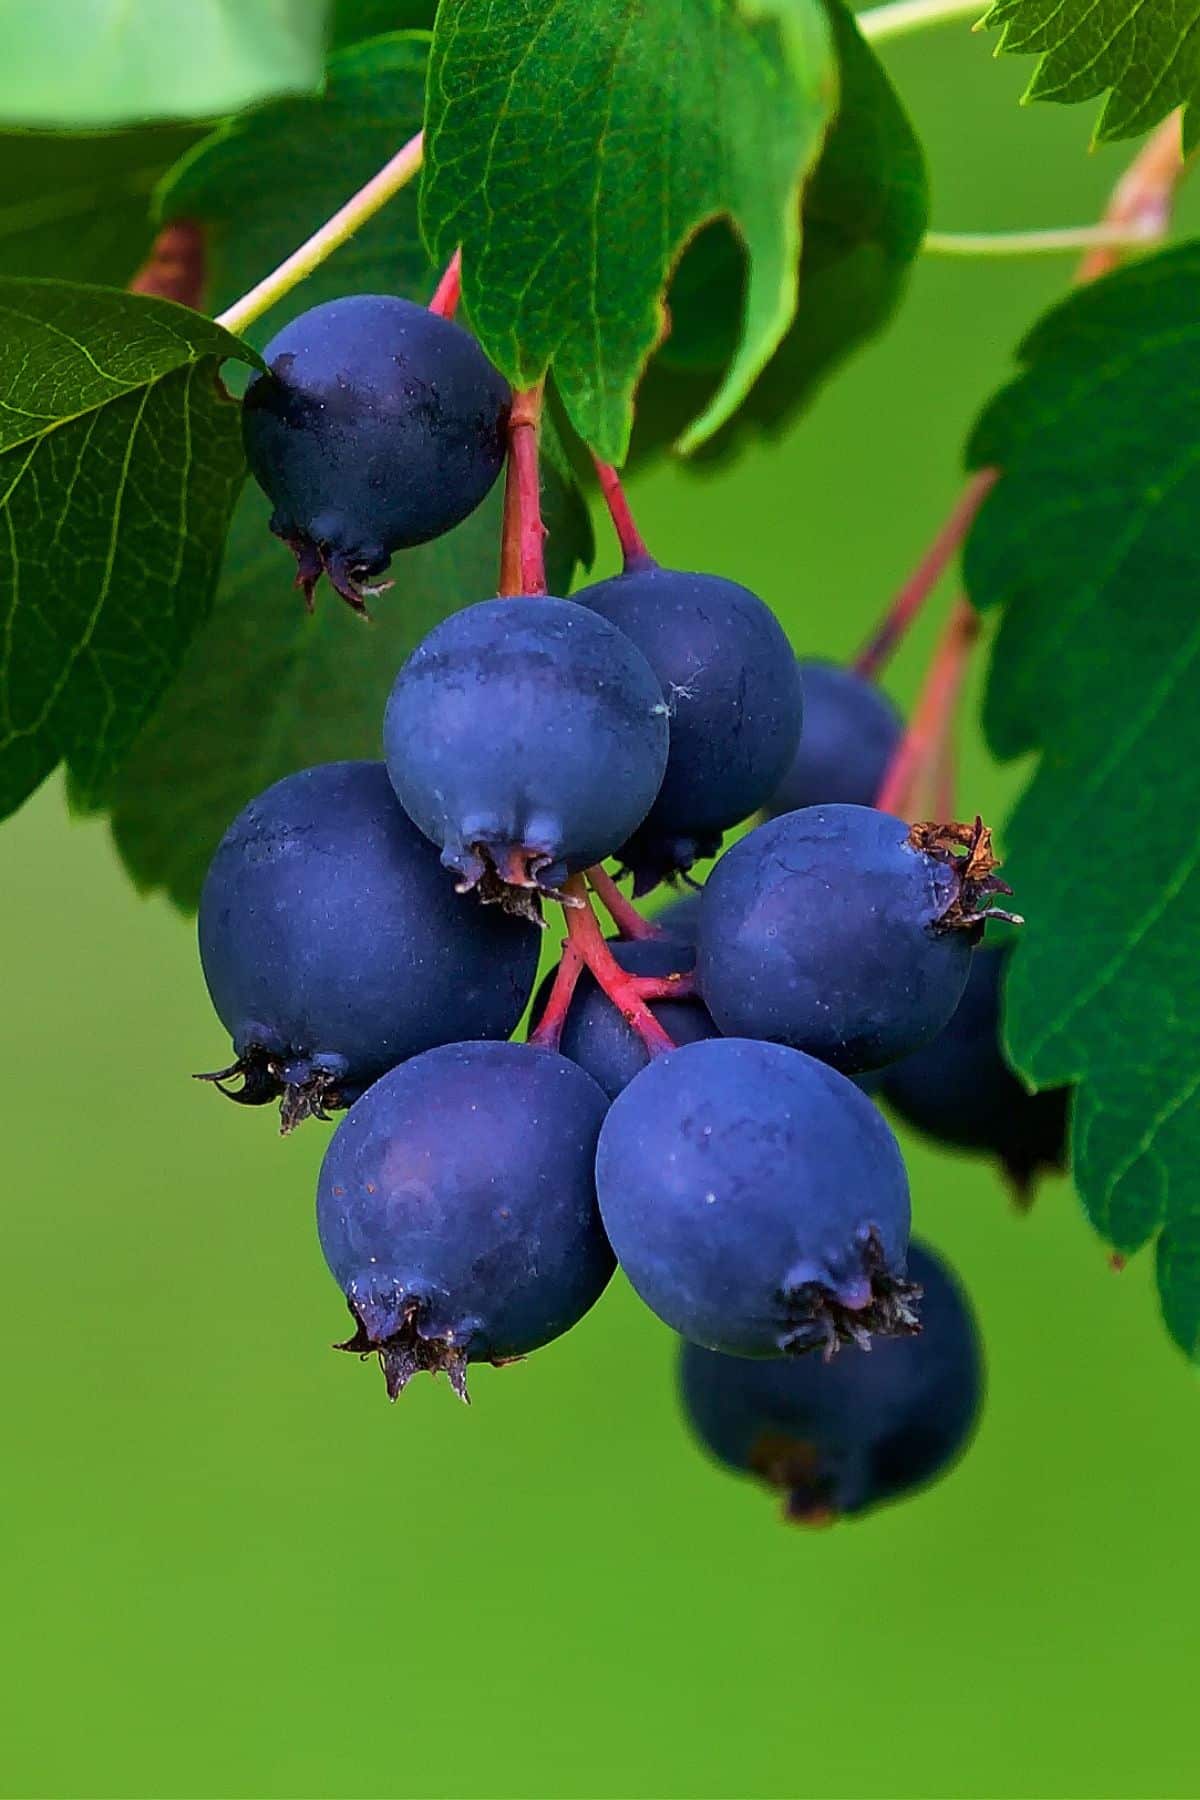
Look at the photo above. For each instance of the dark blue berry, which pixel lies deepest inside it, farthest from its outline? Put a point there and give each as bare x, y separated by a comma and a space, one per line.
842, 931
596, 1036
379, 426
959, 1089
756, 1200
733, 692
333, 946
850, 734
527, 738
838, 1438
457, 1208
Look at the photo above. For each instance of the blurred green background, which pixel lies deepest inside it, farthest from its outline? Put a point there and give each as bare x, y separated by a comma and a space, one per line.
229, 1568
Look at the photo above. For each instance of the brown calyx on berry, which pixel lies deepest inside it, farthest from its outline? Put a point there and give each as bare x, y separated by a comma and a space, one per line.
405, 1352
884, 1304
966, 849
512, 876
348, 576
794, 1467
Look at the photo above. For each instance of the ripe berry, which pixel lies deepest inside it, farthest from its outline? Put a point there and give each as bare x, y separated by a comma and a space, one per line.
596, 1036
333, 947
527, 737
842, 931
756, 1200
733, 692
850, 734
960, 1090
379, 426
839, 1438
457, 1208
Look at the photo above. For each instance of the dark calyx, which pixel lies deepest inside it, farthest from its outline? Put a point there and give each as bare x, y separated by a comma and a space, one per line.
514, 877
967, 851
653, 857
825, 1323
405, 1352
303, 1088
349, 575
793, 1466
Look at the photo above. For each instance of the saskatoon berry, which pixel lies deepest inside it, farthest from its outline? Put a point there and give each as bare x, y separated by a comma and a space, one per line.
851, 731
457, 1208
839, 1438
732, 688
527, 737
379, 426
960, 1090
842, 931
596, 1036
756, 1200
333, 947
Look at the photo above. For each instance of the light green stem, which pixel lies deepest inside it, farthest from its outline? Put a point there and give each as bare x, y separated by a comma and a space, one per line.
1065, 241
332, 235
901, 16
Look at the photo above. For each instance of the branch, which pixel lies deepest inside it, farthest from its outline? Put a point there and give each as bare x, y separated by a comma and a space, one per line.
925, 576
332, 235
921, 746
1143, 198
1114, 238
879, 23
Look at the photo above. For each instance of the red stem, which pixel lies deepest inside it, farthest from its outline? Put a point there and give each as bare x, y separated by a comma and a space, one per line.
522, 545
925, 576
1143, 197
174, 269
623, 913
548, 1031
448, 291
919, 746
624, 990
633, 544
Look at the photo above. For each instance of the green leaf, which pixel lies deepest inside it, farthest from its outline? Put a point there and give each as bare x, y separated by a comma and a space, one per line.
264, 182
864, 215
77, 207
1089, 543
110, 62
1144, 54
120, 458
268, 688
574, 150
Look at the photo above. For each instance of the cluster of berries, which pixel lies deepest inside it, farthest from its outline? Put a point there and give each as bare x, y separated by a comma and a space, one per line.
693, 1100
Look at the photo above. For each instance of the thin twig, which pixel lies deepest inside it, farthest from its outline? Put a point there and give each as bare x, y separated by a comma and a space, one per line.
623, 989
925, 576
623, 913
549, 1028
1053, 241
879, 23
1143, 198
633, 544
934, 710
336, 231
